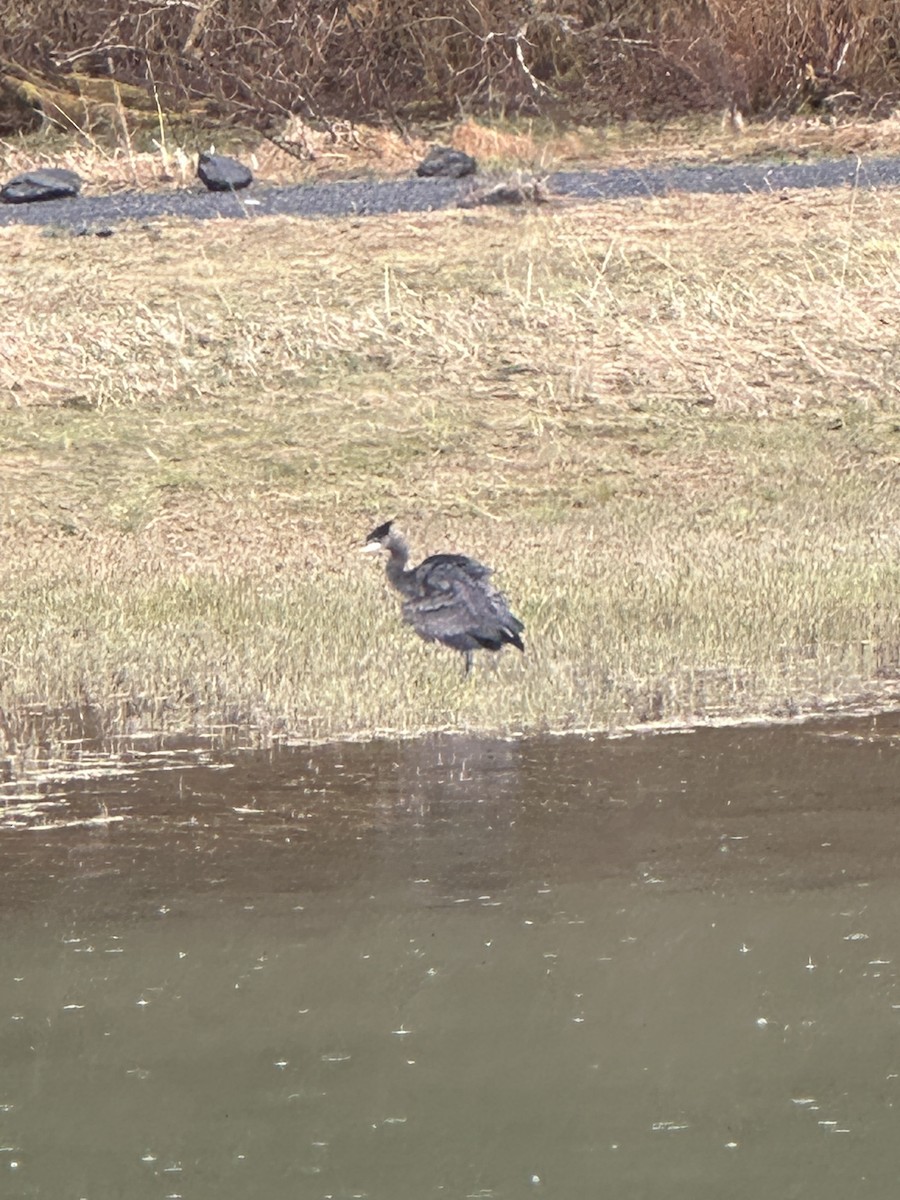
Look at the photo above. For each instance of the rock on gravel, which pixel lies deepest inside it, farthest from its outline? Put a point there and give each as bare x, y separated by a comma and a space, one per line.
446, 162
45, 183
223, 174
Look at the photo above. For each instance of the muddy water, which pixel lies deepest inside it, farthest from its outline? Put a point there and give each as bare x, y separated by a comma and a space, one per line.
652, 968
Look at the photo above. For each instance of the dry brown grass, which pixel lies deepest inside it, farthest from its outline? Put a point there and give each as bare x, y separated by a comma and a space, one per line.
673, 424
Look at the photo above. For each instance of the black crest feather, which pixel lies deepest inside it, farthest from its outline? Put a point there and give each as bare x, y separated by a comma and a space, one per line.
379, 534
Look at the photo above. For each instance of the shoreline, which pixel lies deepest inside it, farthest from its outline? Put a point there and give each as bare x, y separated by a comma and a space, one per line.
129, 754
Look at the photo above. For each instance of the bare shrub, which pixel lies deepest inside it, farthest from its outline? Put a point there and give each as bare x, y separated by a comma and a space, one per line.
405, 59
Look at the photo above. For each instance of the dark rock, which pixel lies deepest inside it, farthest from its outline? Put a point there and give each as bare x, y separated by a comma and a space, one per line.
46, 183
223, 174
445, 161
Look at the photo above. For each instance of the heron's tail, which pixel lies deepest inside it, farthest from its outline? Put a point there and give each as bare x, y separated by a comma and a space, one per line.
511, 637
506, 635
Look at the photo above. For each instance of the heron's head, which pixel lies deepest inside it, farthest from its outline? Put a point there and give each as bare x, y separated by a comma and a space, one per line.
378, 538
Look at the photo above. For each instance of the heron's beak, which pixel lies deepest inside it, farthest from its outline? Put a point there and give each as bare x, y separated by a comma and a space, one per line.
371, 548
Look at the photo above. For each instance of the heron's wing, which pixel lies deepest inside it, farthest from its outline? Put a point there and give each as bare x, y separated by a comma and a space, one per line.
456, 601
446, 612
439, 567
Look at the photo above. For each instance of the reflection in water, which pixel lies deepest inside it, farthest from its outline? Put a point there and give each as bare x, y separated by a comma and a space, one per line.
658, 967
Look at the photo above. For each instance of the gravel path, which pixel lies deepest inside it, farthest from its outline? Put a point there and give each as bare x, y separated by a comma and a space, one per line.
96, 214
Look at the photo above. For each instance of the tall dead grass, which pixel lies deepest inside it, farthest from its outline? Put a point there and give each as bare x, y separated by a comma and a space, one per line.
265, 59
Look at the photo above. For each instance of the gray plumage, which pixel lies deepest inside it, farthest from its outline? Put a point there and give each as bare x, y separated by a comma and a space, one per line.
448, 598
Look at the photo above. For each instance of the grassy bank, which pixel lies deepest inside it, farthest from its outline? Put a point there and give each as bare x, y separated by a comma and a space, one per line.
671, 424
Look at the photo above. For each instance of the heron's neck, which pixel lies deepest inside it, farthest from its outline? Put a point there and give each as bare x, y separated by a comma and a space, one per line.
396, 564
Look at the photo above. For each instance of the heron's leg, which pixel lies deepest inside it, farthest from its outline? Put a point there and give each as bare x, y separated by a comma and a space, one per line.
470, 654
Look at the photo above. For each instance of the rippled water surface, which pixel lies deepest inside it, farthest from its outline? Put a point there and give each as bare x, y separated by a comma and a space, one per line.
650, 968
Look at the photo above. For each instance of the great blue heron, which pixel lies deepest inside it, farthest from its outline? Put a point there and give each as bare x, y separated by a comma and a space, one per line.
447, 598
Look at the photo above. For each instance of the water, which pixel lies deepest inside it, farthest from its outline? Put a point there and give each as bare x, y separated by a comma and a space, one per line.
652, 968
